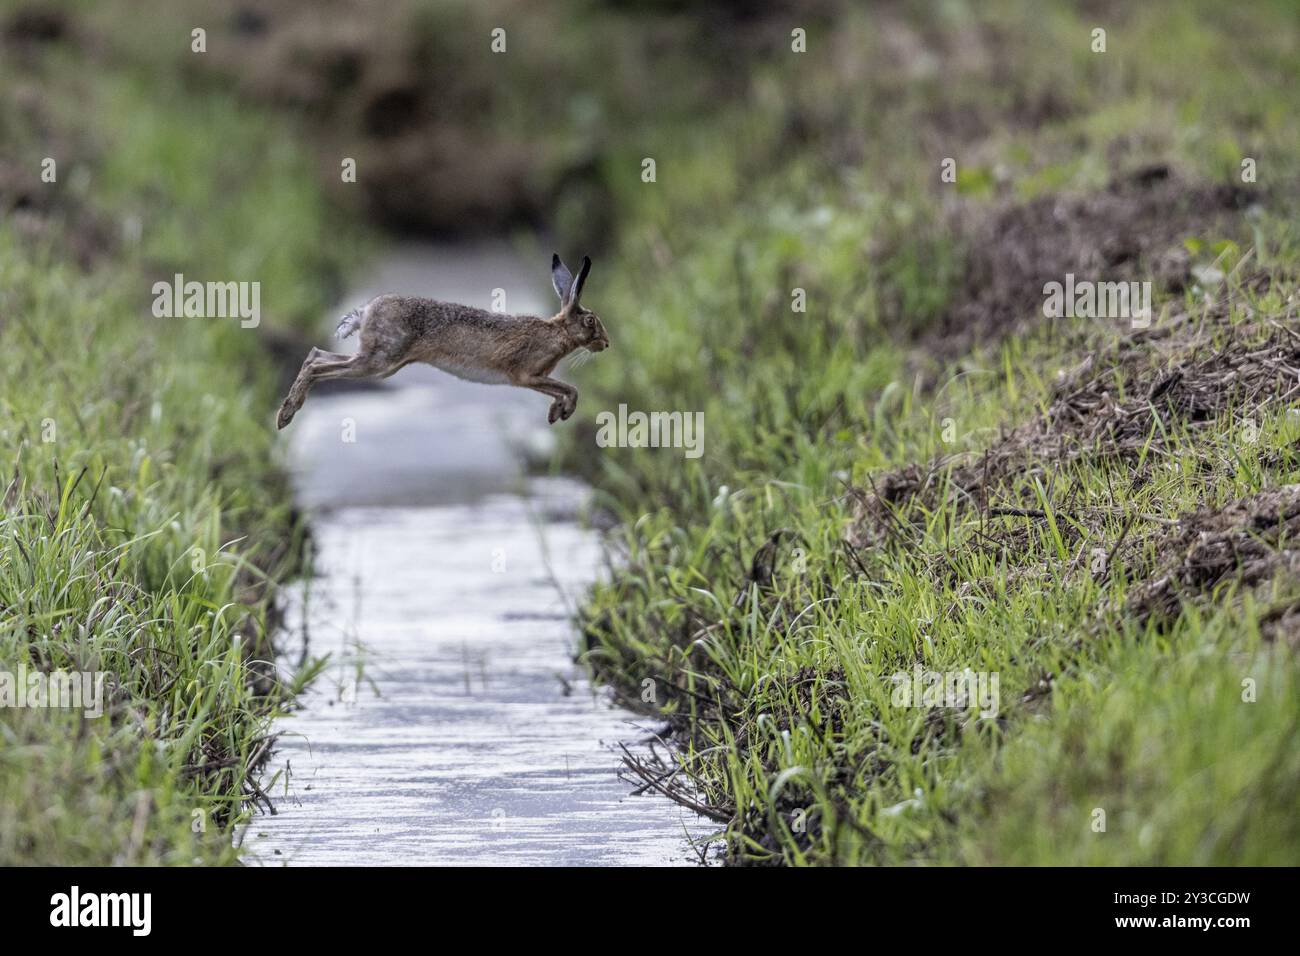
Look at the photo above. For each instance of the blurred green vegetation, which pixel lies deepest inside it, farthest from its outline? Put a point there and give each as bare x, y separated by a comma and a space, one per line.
145, 520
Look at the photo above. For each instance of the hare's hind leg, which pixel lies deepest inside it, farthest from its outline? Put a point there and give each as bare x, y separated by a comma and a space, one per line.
320, 365
298, 390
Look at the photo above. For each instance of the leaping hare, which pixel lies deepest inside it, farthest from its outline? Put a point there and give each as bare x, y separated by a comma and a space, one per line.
470, 343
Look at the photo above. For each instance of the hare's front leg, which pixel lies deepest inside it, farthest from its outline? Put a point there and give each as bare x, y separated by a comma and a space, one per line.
564, 405
566, 396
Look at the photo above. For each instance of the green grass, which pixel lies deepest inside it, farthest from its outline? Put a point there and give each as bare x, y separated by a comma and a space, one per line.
780, 693
146, 519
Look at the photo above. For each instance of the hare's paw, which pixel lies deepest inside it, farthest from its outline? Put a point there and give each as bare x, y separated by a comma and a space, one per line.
287, 410
570, 405
554, 413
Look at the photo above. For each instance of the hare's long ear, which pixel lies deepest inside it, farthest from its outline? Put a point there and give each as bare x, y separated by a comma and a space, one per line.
561, 278
579, 282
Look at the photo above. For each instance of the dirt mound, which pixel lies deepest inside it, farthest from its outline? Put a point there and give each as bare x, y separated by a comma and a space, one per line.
35, 24
1133, 230
390, 90
1250, 542
1117, 403
1122, 404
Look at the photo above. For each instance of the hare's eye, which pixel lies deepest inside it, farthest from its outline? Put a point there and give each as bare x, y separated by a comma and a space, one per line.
591, 321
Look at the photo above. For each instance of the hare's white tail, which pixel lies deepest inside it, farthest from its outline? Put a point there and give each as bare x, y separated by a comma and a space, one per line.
349, 323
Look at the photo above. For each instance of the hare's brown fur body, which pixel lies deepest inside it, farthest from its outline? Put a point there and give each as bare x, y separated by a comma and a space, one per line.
473, 344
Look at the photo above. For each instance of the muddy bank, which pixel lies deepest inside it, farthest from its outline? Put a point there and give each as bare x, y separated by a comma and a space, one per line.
1117, 407
1141, 228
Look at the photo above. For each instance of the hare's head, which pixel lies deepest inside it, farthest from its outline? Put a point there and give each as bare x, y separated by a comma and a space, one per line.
583, 325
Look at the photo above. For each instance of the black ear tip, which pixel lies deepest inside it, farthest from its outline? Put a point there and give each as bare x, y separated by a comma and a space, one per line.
586, 262
555, 259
